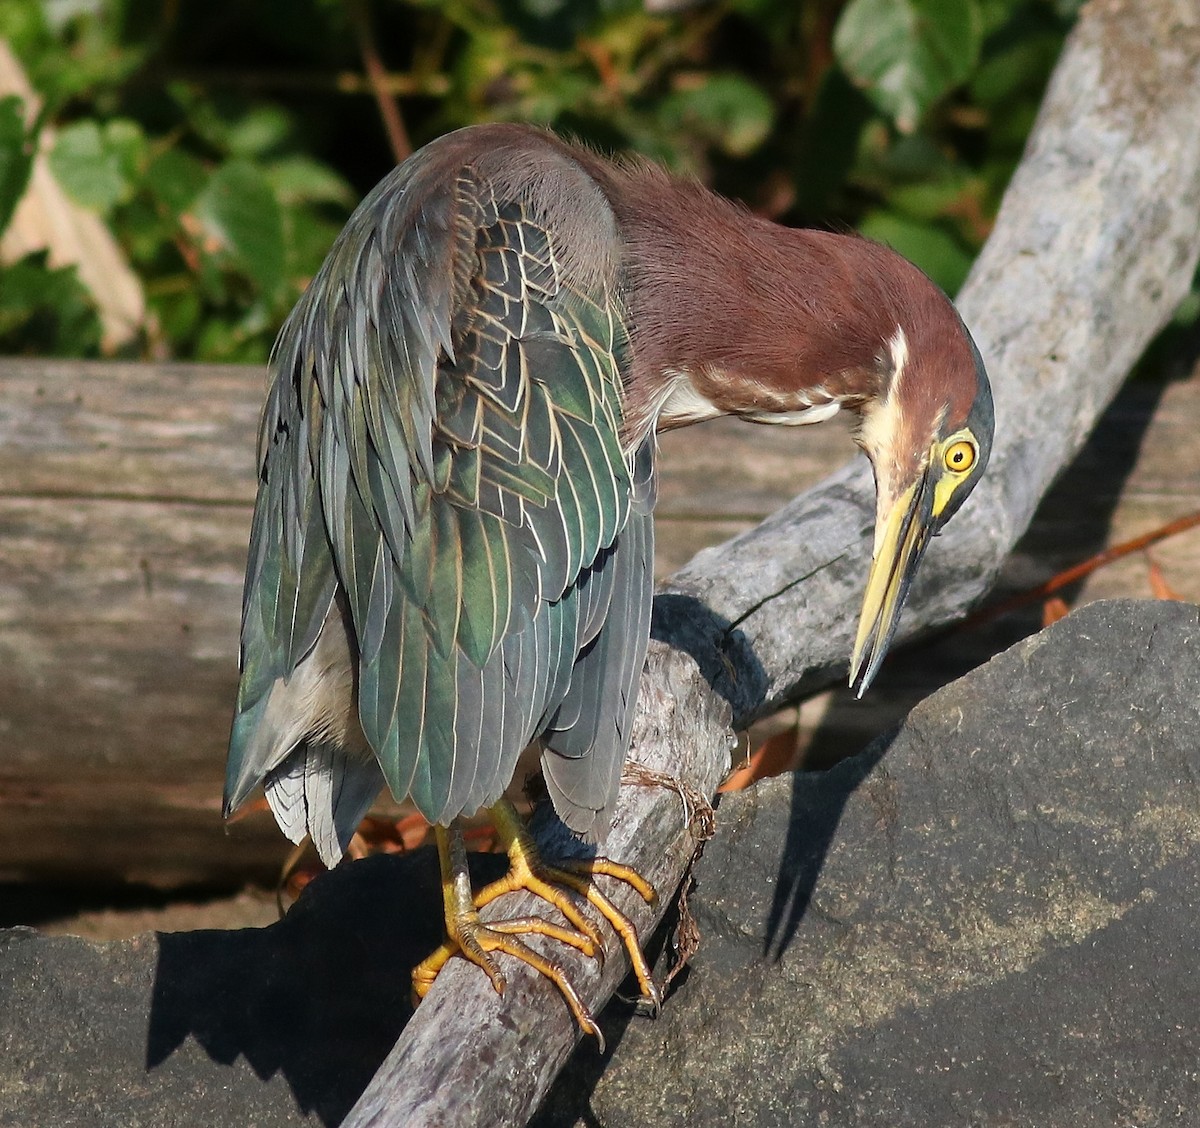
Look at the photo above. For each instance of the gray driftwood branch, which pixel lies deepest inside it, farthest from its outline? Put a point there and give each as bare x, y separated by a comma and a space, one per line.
1094, 247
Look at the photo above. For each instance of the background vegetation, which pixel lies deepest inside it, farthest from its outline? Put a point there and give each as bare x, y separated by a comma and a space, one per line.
224, 143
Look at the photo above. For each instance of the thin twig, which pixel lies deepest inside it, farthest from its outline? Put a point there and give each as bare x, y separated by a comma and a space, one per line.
1081, 570
389, 107
403, 84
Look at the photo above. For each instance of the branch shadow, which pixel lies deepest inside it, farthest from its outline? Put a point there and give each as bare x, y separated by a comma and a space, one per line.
723, 653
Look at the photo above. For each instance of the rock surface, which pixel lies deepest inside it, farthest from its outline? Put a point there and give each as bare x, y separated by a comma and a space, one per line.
987, 919
256, 1027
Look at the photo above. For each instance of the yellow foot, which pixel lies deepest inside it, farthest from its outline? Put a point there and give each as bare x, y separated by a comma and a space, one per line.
476, 941
468, 936
550, 882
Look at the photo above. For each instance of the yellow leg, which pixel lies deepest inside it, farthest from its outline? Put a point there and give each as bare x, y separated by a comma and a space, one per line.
470, 937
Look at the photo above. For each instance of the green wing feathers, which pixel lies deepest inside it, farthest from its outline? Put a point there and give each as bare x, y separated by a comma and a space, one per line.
441, 445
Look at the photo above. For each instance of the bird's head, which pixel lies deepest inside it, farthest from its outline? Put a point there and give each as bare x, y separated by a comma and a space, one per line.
734, 315
928, 434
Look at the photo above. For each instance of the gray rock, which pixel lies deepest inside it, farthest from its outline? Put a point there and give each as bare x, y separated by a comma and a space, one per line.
257, 1027
987, 919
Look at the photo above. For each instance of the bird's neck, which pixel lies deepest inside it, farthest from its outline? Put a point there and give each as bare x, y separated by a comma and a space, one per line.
731, 314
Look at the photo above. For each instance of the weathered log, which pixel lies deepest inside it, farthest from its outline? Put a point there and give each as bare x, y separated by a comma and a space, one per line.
125, 495
123, 511
125, 499
109, 466
1094, 246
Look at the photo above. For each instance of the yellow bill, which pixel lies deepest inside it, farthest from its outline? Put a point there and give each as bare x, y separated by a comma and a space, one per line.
902, 534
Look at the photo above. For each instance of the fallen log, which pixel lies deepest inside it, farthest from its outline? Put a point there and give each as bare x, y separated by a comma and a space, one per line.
124, 516
1095, 244
125, 500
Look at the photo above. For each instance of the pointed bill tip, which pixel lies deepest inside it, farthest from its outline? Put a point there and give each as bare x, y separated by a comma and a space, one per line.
905, 527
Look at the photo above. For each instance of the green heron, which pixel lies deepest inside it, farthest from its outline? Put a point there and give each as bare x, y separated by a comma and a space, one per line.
451, 551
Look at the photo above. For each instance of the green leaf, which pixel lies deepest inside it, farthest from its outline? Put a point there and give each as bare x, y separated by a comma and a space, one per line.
994, 14
16, 157
44, 311
1020, 69
241, 214
147, 236
932, 248
931, 199
831, 141
24, 26
259, 130
231, 125
96, 167
308, 238
918, 157
906, 54
230, 340
175, 178
59, 13
178, 313
300, 179
125, 140
727, 110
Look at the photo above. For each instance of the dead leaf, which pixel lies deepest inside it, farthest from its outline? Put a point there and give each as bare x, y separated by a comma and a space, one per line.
1159, 587
1053, 610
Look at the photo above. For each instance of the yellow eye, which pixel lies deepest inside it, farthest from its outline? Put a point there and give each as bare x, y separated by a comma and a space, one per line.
960, 457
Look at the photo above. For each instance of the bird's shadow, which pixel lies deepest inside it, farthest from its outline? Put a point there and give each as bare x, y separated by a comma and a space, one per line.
321, 996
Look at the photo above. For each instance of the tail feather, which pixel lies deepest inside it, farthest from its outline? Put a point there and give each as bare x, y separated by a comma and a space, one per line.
320, 791
303, 742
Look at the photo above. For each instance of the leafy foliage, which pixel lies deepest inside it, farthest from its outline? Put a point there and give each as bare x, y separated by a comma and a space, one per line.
224, 144
45, 310
16, 156
908, 54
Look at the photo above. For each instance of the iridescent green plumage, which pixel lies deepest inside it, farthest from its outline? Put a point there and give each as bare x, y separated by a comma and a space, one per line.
442, 465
